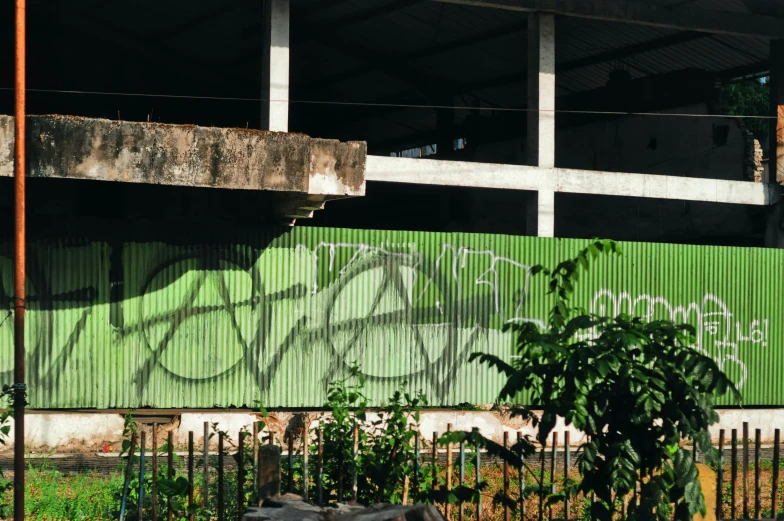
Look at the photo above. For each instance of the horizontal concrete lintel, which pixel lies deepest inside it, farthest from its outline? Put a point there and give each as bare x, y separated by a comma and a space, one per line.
565, 180
186, 155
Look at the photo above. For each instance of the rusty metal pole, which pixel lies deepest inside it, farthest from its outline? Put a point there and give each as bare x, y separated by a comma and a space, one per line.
19, 265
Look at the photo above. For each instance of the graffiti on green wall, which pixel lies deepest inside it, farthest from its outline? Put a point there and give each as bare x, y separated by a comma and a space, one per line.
204, 325
718, 334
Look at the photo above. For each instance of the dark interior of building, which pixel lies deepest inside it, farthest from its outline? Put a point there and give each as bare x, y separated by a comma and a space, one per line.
398, 74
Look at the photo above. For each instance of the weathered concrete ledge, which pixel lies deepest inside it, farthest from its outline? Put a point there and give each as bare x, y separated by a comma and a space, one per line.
187, 155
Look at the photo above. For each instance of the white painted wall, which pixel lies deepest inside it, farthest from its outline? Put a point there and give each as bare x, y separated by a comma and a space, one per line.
64, 432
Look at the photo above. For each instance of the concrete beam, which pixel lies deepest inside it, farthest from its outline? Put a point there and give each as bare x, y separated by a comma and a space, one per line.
683, 17
564, 180
186, 155
275, 66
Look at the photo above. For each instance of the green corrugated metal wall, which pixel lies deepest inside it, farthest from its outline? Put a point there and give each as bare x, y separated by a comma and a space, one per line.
274, 316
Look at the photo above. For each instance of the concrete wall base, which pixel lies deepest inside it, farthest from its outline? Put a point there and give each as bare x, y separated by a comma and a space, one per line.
88, 432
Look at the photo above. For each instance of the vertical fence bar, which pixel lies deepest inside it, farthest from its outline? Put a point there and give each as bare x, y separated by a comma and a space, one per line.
416, 465
435, 457
734, 473
154, 472
291, 464
506, 477
694, 451
542, 473
567, 466
745, 483
354, 465
240, 475
478, 478
255, 457
170, 472
305, 458
190, 470
142, 448
775, 489
552, 469
340, 472
435, 461
521, 470
319, 467
720, 477
448, 472
127, 480
462, 478
205, 486
757, 490
220, 478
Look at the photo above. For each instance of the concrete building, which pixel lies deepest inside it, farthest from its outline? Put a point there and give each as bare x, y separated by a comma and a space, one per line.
514, 117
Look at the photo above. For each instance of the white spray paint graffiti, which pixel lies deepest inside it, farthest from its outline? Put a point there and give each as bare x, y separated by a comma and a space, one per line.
458, 256
361, 252
711, 317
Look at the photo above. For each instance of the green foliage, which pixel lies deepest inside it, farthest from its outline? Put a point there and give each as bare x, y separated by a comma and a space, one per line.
637, 389
172, 490
86, 496
465, 406
388, 456
5, 431
347, 405
749, 98
385, 442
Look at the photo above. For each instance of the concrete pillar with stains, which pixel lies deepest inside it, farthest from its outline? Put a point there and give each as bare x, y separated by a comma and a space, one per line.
275, 66
541, 118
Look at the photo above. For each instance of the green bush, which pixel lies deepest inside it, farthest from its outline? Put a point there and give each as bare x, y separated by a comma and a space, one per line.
637, 389
51, 496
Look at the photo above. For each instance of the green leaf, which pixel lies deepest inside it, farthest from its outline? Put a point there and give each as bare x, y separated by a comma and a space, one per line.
173, 487
493, 361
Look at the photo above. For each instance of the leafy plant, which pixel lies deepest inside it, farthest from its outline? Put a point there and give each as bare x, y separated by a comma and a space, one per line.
347, 405
748, 98
5, 430
637, 389
87, 496
388, 455
172, 491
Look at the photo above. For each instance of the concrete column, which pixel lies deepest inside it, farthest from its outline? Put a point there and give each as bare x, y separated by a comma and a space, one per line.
540, 217
541, 90
541, 119
275, 67
774, 237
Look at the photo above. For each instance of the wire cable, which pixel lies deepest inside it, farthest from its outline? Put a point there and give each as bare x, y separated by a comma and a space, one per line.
393, 105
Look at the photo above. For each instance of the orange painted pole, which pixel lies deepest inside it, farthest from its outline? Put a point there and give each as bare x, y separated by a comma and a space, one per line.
19, 264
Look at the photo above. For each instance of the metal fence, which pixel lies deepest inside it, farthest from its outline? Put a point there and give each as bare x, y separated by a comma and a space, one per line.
741, 490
